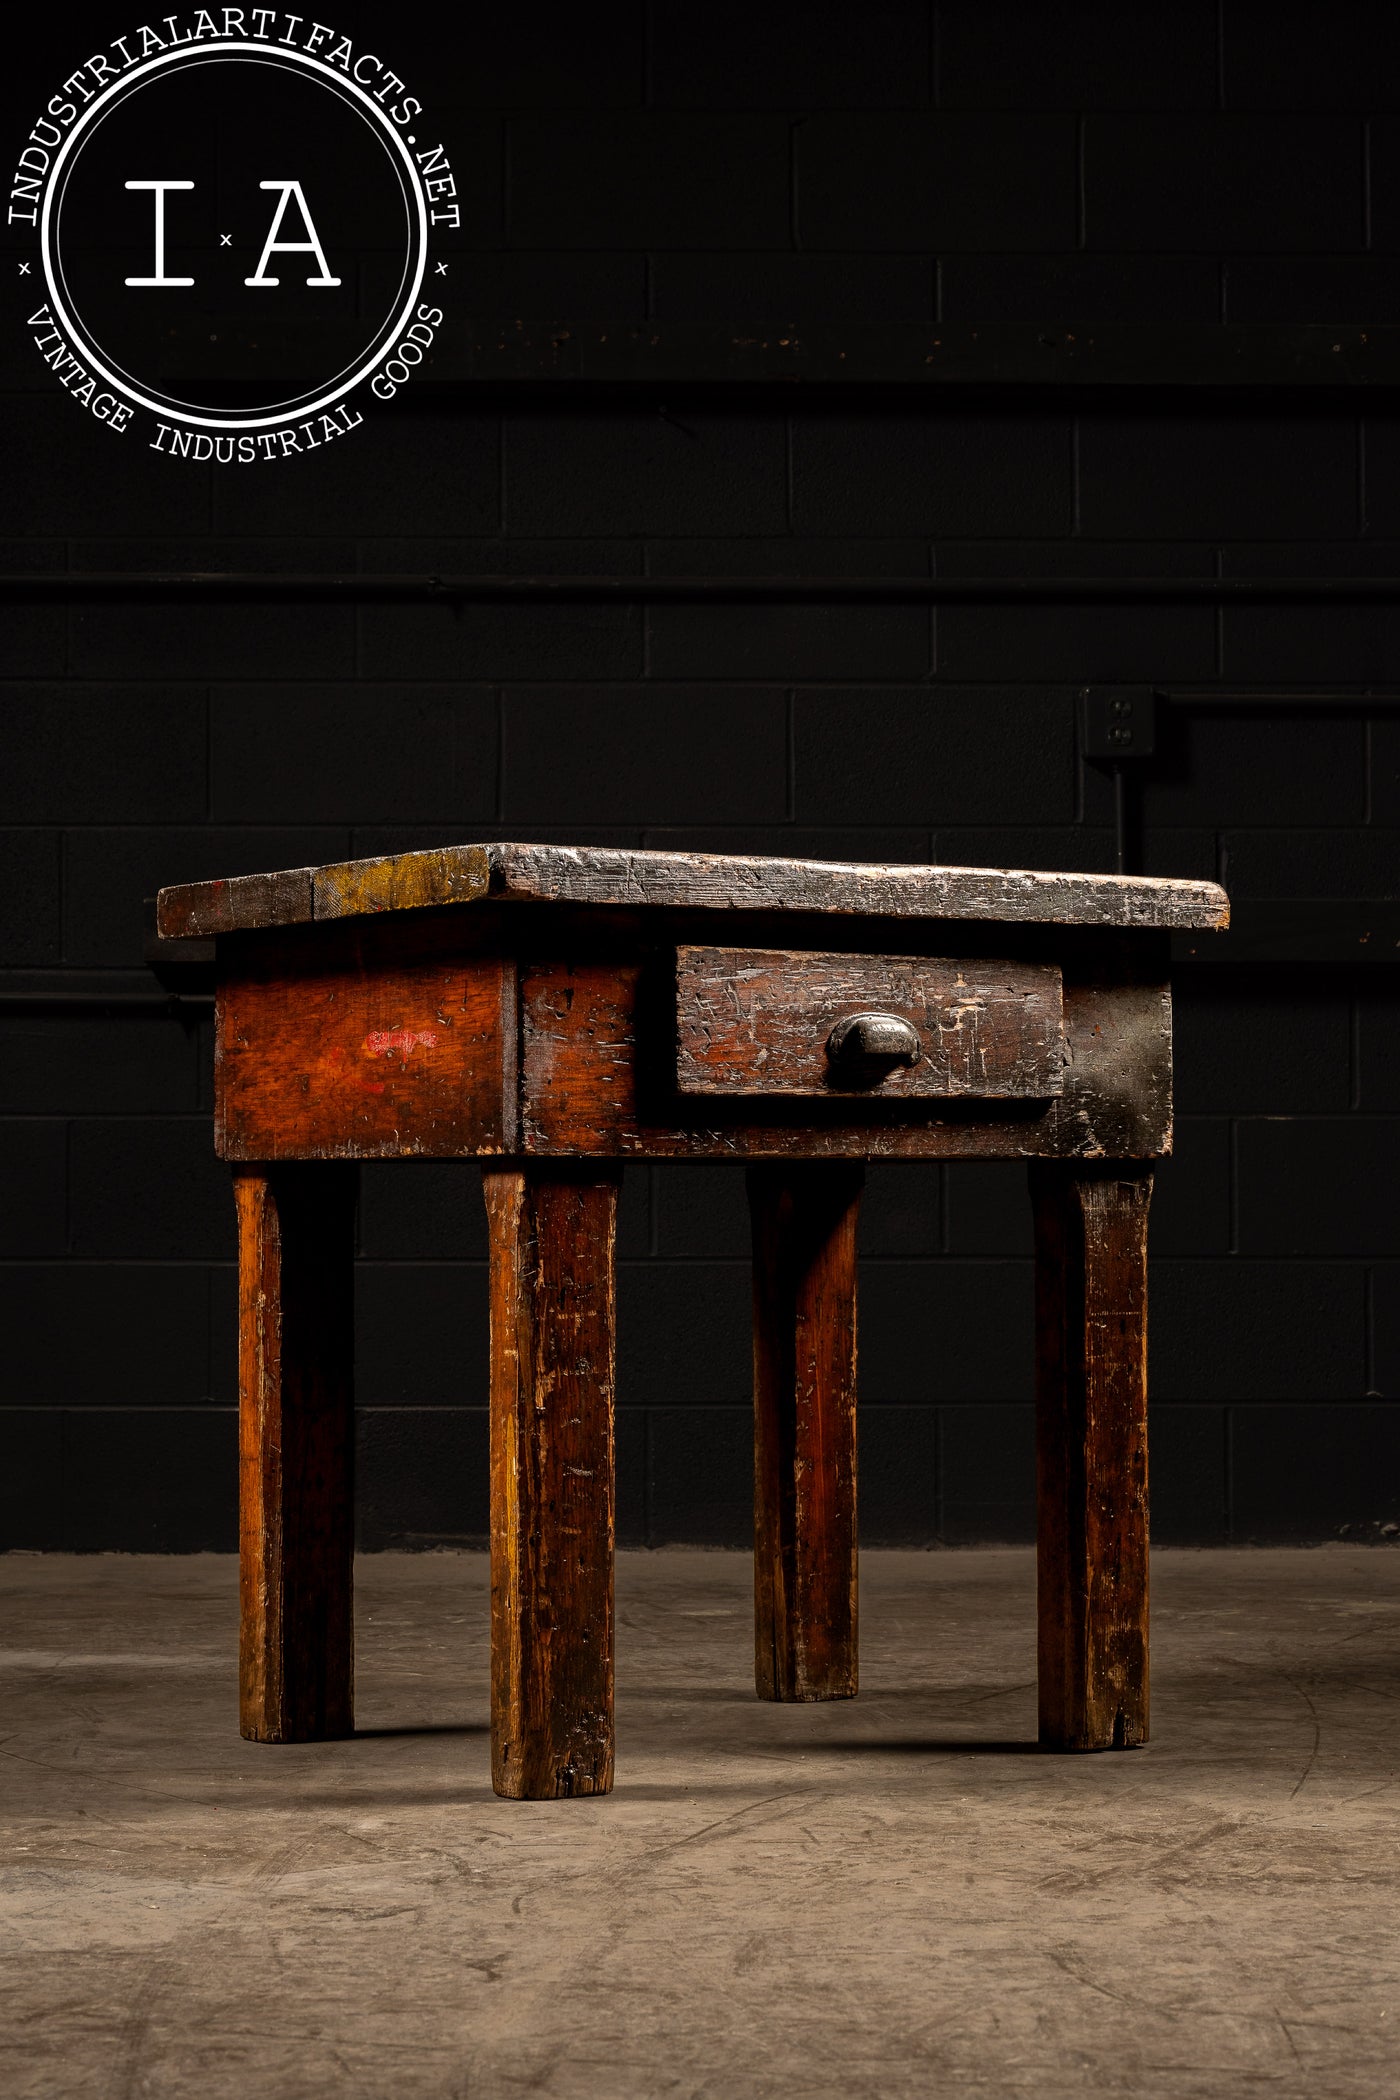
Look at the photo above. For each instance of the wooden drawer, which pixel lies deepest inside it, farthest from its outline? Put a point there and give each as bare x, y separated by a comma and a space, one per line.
764, 1021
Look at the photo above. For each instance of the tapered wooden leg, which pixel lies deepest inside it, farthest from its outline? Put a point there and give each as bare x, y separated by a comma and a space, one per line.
1091, 1416
296, 1451
804, 1368
553, 1233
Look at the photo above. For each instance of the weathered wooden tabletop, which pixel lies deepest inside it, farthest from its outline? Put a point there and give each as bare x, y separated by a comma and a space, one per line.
607, 875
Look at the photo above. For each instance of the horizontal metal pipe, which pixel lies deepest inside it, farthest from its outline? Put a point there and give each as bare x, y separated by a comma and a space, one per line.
185, 1005
689, 590
1339, 701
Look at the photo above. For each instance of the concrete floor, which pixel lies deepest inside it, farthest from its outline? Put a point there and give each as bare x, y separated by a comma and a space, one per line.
892, 1897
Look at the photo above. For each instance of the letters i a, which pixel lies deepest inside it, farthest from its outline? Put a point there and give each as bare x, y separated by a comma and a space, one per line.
272, 246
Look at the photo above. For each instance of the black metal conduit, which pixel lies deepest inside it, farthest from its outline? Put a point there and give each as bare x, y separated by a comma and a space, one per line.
689, 590
183, 1006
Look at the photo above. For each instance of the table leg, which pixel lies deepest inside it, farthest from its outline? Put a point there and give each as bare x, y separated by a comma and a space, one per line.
1091, 1417
553, 1233
804, 1355
296, 1451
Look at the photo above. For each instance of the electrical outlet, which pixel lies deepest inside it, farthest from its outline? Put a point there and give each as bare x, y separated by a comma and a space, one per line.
1118, 721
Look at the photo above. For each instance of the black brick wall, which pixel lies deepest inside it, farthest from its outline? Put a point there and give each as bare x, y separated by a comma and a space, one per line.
972, 163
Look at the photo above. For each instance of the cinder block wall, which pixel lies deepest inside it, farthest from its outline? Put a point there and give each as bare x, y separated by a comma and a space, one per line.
752, 167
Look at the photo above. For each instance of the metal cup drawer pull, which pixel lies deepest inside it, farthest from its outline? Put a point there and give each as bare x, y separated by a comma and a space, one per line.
862, 1040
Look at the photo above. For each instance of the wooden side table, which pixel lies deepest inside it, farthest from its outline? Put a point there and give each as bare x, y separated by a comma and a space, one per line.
553, 1011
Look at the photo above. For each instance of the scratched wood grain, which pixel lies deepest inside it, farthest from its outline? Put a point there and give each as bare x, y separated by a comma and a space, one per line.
804, 1368
757, 1021
346, 1043
619, 877
597, 1049
1091, 1436
206, 909
296, 1452
553, 1328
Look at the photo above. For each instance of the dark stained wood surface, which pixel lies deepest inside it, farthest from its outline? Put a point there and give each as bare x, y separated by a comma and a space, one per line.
296, 1452
588, 1087
424, 1038
760, 1021
350, 1044
804, 1367
620, 877
553, 1236
1091, 1440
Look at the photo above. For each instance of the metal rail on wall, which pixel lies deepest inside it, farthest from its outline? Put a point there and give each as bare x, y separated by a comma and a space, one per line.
189, 1007
687, 590
489, 355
